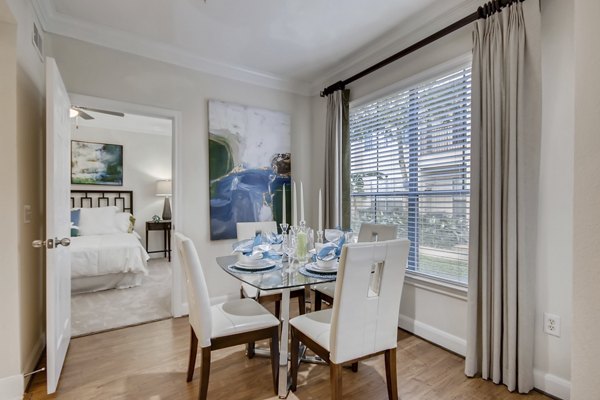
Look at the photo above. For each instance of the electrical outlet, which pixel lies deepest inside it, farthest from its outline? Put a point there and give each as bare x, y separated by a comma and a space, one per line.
552, 324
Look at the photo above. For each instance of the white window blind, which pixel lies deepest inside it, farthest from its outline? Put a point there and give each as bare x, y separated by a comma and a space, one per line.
410, 166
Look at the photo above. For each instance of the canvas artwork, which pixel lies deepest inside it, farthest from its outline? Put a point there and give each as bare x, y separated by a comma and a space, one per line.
96, 163
249, 162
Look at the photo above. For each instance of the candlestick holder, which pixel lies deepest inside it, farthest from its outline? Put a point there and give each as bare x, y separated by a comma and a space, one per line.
319, 236
284, 228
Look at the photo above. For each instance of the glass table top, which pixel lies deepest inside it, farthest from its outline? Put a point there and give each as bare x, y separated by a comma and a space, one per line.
279, 278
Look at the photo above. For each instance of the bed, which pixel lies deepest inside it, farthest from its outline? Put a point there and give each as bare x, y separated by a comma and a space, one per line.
106, 253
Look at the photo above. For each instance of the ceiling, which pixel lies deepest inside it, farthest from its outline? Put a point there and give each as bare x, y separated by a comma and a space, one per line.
274, 41
129, 123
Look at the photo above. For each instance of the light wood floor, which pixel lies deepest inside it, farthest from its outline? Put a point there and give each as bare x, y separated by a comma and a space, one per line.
149, 362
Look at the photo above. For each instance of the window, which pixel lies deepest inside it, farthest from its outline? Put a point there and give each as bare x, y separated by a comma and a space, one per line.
410, 166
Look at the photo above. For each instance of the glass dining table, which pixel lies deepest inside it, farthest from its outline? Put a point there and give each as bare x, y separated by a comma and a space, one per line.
281, 277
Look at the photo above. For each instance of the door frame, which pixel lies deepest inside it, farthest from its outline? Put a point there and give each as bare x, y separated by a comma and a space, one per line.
179, 306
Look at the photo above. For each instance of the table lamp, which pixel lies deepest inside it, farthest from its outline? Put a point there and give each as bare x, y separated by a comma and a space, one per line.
163, 189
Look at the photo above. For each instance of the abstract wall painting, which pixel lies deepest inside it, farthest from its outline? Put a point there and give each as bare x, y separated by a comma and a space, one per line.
96, 163
249, 162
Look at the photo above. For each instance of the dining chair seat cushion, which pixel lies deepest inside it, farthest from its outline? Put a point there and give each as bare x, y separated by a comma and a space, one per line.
239, 316
252, 292
316, 325
327, 289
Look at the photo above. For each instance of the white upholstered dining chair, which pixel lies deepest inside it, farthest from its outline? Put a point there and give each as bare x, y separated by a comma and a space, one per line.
368, 233
362, 323
222, 325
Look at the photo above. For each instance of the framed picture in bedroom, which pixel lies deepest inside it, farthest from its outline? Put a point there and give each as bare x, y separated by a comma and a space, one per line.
96, 163
249, 164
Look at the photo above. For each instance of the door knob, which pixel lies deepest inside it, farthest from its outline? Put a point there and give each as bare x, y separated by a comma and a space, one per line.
51, 243
62, 242
43, 243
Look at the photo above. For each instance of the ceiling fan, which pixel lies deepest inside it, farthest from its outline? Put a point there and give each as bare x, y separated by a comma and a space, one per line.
78, 111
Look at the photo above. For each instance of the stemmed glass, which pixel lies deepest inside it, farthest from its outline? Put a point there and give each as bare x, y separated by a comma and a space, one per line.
289, 247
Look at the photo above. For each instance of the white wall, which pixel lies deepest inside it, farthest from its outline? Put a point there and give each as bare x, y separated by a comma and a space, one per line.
97, 71
555, 217
146, 159
22, 274
9, 273
586, 250
441, 317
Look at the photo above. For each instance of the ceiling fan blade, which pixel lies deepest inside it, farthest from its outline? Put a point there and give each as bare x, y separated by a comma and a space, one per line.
115, 113
84, 115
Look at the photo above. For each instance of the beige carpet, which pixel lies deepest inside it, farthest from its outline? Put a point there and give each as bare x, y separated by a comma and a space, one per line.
110, 309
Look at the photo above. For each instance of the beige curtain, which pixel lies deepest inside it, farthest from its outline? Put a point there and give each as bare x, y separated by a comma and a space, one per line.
337, 161
506, 120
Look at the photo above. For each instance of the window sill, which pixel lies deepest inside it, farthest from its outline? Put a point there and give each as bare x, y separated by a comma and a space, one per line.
436, 286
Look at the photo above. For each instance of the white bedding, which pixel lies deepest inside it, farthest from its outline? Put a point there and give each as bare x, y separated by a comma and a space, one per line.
107, 254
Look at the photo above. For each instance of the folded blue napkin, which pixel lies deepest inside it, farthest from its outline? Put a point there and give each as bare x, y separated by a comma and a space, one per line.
331, 250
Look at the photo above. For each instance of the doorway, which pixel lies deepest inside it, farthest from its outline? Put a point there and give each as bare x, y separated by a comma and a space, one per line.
143, 139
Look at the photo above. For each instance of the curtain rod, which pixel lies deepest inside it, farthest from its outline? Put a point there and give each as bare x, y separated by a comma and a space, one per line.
482, 12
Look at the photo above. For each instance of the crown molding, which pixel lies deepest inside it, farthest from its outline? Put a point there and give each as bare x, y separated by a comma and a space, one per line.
427, 23
59, 24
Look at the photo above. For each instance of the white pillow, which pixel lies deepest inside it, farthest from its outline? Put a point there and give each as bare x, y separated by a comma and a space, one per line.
98, 221
124, 222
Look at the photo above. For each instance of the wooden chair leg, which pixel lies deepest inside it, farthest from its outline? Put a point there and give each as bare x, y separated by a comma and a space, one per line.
302, 304
278, 309
390, 374
250, 350
318, 300
193, 351
355, 367
335, 374
275, 356
295, 349
205, 373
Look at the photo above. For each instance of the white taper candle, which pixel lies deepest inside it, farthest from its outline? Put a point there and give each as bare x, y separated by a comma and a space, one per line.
283, 205
294, 206
320, 211
301, 202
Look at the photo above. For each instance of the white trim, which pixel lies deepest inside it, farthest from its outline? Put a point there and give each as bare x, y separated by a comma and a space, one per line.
63, 25
552, 384
435, 286
453, 343
12, 387
33, 358
423, 76
178, 300
407, 34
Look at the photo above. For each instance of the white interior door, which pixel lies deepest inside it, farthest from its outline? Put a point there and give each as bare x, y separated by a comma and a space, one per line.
58, 224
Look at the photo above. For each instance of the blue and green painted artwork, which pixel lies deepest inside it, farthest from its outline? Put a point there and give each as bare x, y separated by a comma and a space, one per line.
249, 162
96, 163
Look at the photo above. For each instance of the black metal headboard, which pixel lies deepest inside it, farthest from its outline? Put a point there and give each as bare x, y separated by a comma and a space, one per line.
123, 199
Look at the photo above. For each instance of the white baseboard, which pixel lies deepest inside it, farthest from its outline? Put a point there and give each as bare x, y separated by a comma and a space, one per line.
12, 387
552, 384
34, 357
435, 335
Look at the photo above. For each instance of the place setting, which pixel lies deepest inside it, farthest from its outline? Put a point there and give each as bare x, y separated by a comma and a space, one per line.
259, 255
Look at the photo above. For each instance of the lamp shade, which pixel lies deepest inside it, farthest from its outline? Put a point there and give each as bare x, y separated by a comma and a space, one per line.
163, 188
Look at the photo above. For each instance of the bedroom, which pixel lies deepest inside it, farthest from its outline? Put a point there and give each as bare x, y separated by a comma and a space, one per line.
95, 64
120, 275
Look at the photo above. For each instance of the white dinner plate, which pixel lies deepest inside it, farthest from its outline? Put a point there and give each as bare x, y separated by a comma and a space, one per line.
313, 267
257, 265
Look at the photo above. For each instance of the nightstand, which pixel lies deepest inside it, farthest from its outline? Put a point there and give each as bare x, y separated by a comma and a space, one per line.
165, 227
